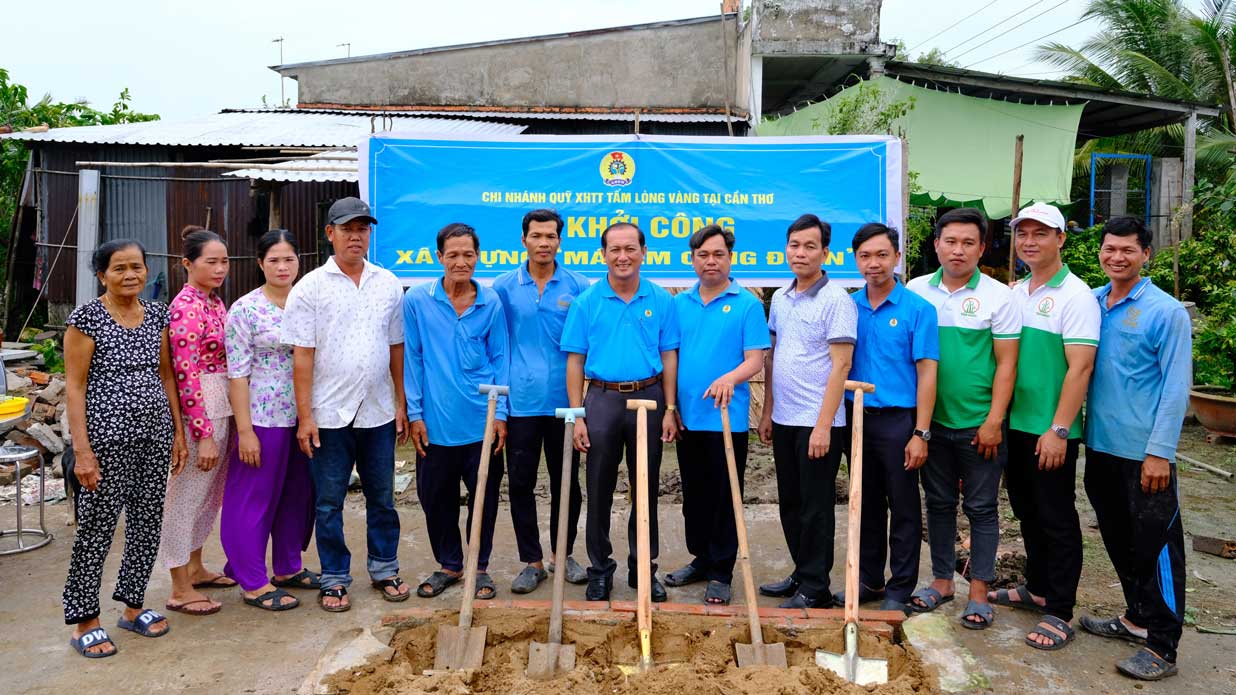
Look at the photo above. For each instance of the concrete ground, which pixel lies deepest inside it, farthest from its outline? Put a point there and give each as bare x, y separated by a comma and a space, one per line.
246, 650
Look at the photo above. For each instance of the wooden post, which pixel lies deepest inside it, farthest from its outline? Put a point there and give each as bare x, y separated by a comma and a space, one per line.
1190, 167
87, 233
276, 207
1016, 204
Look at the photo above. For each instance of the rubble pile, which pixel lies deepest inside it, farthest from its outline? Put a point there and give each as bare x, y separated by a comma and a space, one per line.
45, 427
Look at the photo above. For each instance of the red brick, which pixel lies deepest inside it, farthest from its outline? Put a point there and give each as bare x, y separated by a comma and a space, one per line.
529, 604
783, 613
681, 608
40, 378
730, 610
585, 605
623, 606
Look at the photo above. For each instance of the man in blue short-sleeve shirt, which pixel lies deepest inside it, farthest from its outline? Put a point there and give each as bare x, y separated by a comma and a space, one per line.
536, 297
898, 350
622, 335
456, 340
724, 336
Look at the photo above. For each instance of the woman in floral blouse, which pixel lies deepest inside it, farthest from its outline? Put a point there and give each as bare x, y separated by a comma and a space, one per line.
269, 492
200, 364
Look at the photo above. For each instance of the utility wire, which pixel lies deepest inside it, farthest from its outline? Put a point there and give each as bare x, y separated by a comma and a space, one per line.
1014, 48
978, 34
1010, 29
938, 33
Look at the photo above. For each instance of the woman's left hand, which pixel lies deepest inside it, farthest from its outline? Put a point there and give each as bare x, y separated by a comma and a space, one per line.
180, 454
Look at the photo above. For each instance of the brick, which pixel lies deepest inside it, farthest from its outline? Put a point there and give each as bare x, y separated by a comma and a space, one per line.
529, 604
681, 608
585, 605
40, 378
492, 603
730, 610
783, 613
623, 606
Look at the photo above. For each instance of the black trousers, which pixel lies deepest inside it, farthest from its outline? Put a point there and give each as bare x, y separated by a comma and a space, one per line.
526, 438
806, 495
611, 432
1044, 502
1145, 541
438, 474
707, 507
892, 519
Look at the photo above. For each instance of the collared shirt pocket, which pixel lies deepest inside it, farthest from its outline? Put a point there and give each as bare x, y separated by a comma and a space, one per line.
470, 348
650, 331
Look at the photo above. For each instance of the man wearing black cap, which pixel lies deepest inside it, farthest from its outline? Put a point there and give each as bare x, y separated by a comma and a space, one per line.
344, 323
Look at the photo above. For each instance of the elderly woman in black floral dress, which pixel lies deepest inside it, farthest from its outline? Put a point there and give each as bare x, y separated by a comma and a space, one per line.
124, 418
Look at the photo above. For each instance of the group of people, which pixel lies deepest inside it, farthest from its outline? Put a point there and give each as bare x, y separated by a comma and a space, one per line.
282, 396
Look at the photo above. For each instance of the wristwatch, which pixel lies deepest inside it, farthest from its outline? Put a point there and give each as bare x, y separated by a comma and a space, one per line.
670, 407
924, 435
1060, 431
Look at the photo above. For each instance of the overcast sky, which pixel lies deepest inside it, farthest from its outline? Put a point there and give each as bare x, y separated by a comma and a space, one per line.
185, 59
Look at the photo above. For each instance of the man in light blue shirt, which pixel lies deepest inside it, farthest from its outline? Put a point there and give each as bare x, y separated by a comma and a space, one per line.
456, 340
622, 335
724, 336
1138, 396
536, 297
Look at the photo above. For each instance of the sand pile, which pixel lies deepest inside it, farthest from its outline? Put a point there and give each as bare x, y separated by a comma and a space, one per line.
694, 656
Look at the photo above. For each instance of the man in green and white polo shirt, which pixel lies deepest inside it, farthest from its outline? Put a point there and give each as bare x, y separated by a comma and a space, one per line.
979, 330
1059, 337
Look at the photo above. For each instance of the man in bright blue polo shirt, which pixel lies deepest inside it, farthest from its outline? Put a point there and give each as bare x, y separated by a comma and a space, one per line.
897, 350
456, 340
622, 335
724, 336
1138, 396
536, 297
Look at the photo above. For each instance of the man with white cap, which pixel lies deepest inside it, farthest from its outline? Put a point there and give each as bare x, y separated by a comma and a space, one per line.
1059, 337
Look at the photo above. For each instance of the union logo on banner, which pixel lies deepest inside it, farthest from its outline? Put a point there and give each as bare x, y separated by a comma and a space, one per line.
617, 169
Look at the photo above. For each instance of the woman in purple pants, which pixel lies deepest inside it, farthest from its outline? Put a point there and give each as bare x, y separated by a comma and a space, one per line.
269, 493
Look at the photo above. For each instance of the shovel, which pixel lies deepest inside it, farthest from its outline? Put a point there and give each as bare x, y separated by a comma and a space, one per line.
463, 647
547, 660
643, 545
851, 666
757, 653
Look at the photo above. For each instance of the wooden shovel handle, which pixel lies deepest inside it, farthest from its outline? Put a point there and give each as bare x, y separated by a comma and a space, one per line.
744, 554
478, 513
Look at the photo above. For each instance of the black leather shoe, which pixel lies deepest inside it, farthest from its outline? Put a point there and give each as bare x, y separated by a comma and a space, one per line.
785, 587
598, 588
657, 594
864, 596
801, 600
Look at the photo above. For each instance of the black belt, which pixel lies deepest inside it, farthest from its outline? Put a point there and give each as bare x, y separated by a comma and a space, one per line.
885, 410
625, 386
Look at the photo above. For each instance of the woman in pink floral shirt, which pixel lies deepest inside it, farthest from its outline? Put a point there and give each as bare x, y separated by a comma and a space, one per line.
269, 492
199, 360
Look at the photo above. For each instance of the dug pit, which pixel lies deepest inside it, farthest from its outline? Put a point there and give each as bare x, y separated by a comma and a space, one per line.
694, 654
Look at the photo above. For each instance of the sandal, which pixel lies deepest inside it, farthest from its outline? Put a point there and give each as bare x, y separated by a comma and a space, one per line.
184, 607
485, 588
528, 580
684, 576
339, 592
141, 624
437, 583
303, 579
216, 582
1145, 665
275, 598
927, 599
1003, 597
1114, 628
1057, 642
93, 638
717, 593
983, 611
392, 583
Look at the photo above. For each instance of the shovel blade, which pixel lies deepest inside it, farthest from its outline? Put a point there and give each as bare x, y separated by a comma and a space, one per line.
548, 660
866, 671
459, 648
749, 655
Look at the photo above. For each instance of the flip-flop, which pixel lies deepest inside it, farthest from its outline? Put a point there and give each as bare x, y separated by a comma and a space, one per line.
141, 624
1147, 666
303, 579
1003, 597
485, 582
275, 601
1057, 642
437, 583
393, 583
1113, 628
983, 611
931, 600
219, 581
93, 638
339, 592
184, 607
717, 594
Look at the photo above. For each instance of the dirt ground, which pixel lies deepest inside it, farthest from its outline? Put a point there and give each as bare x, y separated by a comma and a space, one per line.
245, 650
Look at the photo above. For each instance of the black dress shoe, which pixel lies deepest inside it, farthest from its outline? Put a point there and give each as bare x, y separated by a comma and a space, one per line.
785, 587
657, 594
598, 588
864, 596
801, 600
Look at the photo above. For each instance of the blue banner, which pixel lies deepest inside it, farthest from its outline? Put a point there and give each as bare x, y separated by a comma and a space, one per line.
668, 186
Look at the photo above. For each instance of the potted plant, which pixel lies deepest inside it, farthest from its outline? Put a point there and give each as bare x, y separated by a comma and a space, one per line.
1214, 367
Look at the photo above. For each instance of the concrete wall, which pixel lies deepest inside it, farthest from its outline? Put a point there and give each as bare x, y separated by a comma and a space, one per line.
816, 27
674, 65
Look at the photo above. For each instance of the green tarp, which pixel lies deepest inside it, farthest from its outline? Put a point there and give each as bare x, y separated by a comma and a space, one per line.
961, 147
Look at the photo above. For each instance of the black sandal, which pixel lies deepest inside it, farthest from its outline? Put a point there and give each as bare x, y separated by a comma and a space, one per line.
485, 585
1056, 641
303, 579
1113, 628
275, 597
717, 593
392, 583
437, 583
339, 592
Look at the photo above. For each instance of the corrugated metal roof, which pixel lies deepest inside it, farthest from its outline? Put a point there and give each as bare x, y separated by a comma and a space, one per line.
272, 128
307, 169
563, 114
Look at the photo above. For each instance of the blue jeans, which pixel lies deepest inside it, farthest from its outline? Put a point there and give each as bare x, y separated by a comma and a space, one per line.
372, 450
